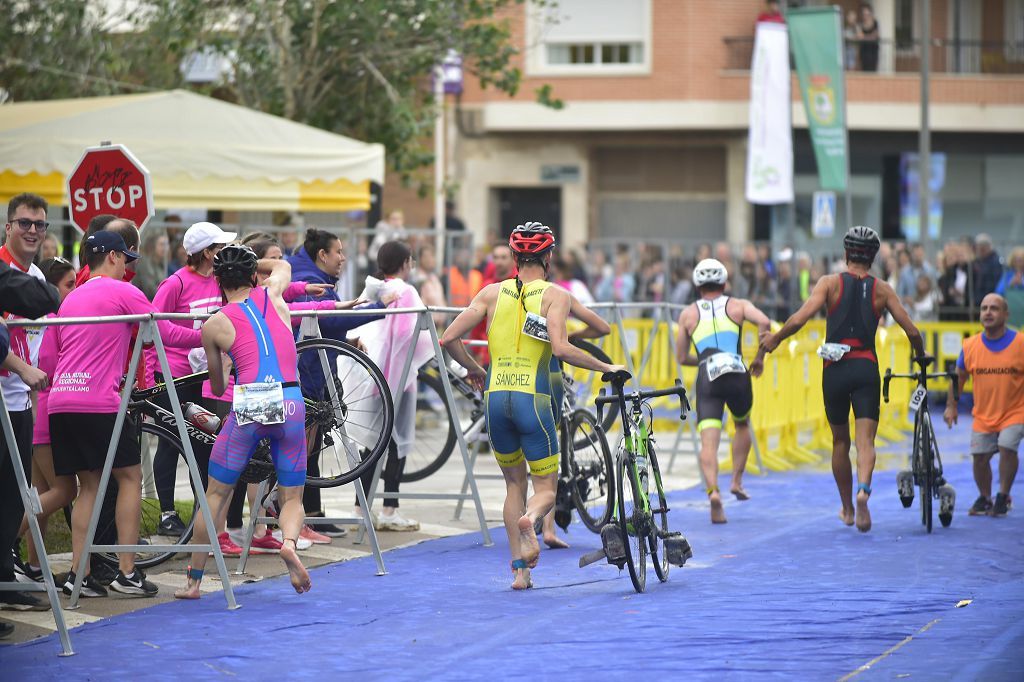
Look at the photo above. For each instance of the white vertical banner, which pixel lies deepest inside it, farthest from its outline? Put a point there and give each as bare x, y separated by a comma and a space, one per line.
770, 145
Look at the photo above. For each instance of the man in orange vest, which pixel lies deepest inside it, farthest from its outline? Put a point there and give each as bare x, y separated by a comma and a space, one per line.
464, 282
995, 359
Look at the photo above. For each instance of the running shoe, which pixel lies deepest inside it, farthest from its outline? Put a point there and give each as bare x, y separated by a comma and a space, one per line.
396, 522
1001, 505
31, 574
359, 515
90, 586
22, 601
331, 530
313, 536
266, 544
300, 544
6, 630
227, 547
103, 572
135, 584
171, 525
981, 507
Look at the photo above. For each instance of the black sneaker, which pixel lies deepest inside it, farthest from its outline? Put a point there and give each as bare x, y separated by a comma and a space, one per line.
135, 584
6, 630
1001, 505
90, 586
981, 507
22, 601
171, 525
31, 574
330, 530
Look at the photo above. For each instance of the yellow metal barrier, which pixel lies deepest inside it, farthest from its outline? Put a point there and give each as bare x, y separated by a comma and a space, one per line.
789, 414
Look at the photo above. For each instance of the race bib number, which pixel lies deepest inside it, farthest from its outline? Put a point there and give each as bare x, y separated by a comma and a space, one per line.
724, 363
537, 327
917, 398
833, 351
261, 403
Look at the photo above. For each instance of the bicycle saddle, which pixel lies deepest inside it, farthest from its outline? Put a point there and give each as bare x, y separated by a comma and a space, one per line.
619, 377
924, 360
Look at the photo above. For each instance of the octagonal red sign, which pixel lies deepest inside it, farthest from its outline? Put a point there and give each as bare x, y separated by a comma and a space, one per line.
109, 179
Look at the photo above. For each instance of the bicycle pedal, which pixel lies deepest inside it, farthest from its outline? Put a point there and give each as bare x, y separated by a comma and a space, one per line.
563, 517
677, 549
614, 545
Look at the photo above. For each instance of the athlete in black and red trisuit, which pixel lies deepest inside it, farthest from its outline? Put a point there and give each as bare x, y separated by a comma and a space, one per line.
855, 302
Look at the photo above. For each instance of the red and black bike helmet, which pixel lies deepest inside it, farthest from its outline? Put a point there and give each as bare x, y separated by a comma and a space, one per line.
531, 239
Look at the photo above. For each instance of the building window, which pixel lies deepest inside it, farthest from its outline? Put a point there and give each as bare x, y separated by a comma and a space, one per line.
597, 37
1014, 38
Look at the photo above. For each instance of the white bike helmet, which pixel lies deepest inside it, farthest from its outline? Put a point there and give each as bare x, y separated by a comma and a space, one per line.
709, 271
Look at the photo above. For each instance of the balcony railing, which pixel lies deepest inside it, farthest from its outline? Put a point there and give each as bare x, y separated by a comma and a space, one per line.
889, 56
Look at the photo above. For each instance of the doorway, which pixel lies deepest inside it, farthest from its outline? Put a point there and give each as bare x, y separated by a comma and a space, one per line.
517, 205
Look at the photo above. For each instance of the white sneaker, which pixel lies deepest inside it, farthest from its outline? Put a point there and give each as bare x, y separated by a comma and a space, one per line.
359, 515
300, 544
396, 522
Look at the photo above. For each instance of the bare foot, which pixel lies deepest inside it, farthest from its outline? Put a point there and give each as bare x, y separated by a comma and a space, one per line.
555, 542
190, 591
717, 511
863, 515
296, 571
522, 579
740, 493
846, 516
528, 541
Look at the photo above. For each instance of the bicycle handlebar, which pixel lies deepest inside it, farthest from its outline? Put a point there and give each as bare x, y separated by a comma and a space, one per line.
921, 378
620, 396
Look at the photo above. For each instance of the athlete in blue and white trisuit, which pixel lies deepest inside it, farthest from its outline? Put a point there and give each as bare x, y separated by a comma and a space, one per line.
254, 329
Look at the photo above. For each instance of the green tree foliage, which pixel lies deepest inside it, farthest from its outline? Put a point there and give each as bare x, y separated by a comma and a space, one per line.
357, 67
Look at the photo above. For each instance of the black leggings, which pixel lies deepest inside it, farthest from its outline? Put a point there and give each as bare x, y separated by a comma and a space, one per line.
391, 476
165, 462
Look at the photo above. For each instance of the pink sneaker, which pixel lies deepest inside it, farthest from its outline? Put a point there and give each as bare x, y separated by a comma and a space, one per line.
313, 536
227, 547
265, 545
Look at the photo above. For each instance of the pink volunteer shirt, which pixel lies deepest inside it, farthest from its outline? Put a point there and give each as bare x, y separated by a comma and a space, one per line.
47, 363
91, 358
183, 292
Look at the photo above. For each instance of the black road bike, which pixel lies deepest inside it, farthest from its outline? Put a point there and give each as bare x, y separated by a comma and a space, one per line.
925, 462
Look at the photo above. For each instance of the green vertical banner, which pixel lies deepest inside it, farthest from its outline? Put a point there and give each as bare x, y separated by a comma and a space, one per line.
816, 38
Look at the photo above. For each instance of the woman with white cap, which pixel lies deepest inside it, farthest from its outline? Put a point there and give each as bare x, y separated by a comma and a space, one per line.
192, 289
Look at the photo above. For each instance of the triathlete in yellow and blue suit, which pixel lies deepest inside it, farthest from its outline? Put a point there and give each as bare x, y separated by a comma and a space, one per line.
716, 332
523, 399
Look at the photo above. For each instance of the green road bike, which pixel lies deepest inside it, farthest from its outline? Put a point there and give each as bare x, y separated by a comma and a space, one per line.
640, 528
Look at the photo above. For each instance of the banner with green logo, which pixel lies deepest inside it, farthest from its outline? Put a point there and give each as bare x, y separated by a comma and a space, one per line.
816, 38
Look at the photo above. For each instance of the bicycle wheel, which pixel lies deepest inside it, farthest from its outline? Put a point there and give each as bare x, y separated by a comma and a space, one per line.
587, 383
631, 520
927, 470
349, 411
590, 471
435, 433
659, 518
150, 510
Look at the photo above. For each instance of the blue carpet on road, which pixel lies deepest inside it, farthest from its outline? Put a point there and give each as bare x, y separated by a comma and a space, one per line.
784, 590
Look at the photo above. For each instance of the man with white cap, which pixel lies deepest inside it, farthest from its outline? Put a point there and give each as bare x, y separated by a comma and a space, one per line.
192, 289
713, 324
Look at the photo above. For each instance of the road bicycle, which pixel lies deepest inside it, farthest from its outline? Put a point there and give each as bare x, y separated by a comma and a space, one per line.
585, 483
641, 529
925, 462
349, 419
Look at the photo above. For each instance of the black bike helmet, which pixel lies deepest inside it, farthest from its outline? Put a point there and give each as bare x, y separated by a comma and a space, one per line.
861, 244
235, 261
531, 239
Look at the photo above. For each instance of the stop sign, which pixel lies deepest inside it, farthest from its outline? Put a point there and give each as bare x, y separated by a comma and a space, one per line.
109, 179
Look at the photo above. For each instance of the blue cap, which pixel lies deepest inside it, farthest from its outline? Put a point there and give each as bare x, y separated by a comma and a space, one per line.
106, 241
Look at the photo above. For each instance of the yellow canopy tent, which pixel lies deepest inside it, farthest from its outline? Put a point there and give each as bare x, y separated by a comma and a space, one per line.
201, 153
